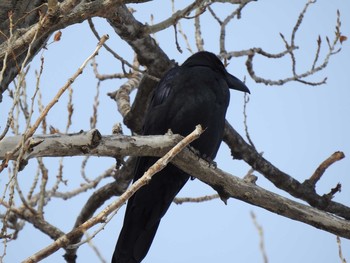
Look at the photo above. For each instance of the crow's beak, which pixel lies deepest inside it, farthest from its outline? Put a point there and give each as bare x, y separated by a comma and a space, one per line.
235, 83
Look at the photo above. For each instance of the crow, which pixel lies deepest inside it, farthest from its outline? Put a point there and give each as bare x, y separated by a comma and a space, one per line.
197, 92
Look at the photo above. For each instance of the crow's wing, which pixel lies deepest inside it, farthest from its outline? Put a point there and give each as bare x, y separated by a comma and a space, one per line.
160, 94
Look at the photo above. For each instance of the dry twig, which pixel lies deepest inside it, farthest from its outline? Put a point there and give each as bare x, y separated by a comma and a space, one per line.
316, 176
181, 200
341, 257
261, 237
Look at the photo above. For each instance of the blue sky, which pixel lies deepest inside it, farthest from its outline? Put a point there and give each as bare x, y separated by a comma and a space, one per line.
296, 126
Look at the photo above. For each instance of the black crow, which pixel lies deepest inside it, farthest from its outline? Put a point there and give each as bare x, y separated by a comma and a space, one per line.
197, 92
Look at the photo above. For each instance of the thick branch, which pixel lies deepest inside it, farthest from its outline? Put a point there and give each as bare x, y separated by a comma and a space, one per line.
241, 150
90, 143
232, 186
226, 184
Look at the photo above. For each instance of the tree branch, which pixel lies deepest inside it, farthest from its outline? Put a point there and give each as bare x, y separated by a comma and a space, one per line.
225, 184
148, 53
89, 143
241, 150
50, 21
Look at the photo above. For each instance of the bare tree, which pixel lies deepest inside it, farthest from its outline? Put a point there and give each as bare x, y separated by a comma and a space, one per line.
29, 28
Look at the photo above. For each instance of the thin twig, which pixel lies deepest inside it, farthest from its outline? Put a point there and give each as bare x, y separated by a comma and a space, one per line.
198, 32
295, 29
95, 249
40, 103
261, 236
34, 127
319, 41
178, 47
42, 194
235, 13
181, 200
102, 77
341, 257
245, 122
316, 176
174, 18
90, 237
94, 31
70, 108
178, 27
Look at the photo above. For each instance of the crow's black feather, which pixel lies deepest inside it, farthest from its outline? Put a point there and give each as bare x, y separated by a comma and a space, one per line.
197, 92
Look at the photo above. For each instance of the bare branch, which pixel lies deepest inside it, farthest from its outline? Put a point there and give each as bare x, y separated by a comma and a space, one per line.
88, 143
198, 33
246, 101
174, 18
122, 95
316, 176
342, 259
181, 200
232, 186
290, 49
261, 236
223, 24
241, 150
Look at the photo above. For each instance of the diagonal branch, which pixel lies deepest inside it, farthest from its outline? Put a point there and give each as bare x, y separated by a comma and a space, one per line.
242, 150
174, 18
65, 240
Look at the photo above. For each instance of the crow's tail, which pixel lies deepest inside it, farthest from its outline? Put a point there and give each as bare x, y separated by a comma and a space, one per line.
145, 210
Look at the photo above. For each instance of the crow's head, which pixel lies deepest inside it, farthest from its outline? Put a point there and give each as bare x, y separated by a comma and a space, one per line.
208, 59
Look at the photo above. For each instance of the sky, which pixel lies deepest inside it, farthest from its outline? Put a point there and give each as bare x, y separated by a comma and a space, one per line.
296, 127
